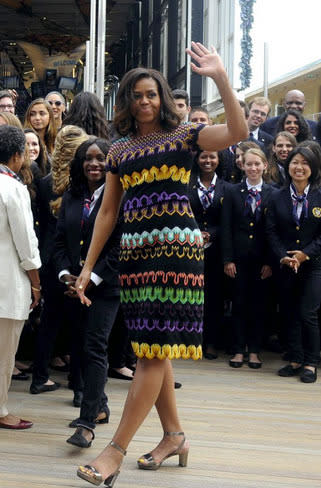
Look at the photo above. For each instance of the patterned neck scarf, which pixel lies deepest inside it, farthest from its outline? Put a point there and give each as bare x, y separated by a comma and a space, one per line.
296, 199
207, 194
86, 208
4, 170
256, 195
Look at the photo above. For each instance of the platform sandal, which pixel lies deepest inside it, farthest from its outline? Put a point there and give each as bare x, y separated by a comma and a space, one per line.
148, 462
90, 474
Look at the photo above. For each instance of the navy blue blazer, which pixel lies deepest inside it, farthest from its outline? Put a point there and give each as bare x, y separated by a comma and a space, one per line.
285, 235
265, 138
72, 243
209, 219
242, 235
270, 124
47, 222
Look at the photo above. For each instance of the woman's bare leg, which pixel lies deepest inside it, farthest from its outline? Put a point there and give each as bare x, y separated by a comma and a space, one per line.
143, 394
168, 415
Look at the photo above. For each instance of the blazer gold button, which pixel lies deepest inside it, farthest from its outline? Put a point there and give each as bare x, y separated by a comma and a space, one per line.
298, 241
251, 237
297, 227
251, 224
81, 243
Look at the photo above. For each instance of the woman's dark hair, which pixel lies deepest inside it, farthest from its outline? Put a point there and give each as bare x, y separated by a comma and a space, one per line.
78, 181
304, 129
196, 172
312, 159
124, 121
314, 146
87, 112
12, 141
41, 160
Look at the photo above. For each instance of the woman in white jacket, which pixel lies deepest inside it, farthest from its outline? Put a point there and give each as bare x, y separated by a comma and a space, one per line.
19, 262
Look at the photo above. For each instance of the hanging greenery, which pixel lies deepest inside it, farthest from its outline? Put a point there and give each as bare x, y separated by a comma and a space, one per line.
246, 42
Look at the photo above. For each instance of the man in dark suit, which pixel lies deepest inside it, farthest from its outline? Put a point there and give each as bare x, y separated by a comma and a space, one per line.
259, 109
294, 99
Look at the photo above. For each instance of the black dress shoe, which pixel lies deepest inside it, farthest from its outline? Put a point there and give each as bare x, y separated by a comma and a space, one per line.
112, 373
177, 385
254, 365
210, 355
288, 371
21, 376
78, 396
308, 376
99, 420
235, 364
77, 439
35, 389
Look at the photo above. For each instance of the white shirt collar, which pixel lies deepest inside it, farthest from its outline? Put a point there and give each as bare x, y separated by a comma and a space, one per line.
257, 187
213, 182
306, 190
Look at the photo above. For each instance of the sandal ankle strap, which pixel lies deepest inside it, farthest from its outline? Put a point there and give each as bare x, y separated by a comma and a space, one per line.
118, 448
174, 433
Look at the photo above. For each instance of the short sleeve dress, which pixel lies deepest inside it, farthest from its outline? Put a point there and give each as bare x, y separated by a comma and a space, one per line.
161, 250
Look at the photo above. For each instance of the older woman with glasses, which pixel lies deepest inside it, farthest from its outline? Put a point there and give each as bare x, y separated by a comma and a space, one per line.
58, 105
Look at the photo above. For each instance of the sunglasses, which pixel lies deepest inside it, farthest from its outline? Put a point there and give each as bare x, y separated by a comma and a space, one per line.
57, 103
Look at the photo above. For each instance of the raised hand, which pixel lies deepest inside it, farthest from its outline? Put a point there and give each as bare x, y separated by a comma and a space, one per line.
210, 63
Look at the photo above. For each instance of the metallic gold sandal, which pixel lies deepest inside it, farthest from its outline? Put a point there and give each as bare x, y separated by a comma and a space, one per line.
90, 474
148, 462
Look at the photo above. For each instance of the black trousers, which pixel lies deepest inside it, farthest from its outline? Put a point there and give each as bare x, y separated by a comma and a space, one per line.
95, 326
300, 297
213, 297
248, 306
53, 317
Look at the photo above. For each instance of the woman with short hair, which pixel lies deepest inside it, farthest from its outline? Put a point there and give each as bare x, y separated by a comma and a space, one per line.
19, 263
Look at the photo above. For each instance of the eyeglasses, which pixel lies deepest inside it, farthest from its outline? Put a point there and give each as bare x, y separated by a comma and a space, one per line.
258, 112
57, 103
3, 107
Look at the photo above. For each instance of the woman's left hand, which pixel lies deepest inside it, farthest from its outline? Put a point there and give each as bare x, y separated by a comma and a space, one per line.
300, 256
266, 272
210, 63
81, 286
36, 296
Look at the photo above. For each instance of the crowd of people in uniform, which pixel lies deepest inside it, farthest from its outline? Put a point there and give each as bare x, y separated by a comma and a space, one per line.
257, 204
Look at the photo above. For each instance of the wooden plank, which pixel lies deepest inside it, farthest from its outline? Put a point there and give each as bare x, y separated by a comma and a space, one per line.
247, 429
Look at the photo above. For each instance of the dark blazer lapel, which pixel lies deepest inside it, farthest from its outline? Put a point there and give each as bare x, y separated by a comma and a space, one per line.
74, 209
243, 192
219, 192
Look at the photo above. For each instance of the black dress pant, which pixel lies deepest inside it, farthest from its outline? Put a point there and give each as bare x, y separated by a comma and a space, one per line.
213, 297
53, 317
299, 297
248, 306
95, 326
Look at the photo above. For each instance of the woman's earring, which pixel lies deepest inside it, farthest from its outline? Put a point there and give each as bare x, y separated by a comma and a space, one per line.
162, 115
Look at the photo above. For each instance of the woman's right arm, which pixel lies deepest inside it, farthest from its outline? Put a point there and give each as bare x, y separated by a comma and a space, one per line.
104, 225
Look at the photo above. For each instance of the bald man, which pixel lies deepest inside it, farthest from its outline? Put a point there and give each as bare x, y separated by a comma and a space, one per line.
294, 99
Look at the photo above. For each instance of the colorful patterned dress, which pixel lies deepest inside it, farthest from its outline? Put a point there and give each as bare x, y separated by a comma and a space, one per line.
161, 257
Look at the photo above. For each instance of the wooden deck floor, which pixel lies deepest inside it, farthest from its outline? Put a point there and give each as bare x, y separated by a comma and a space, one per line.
247, 429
